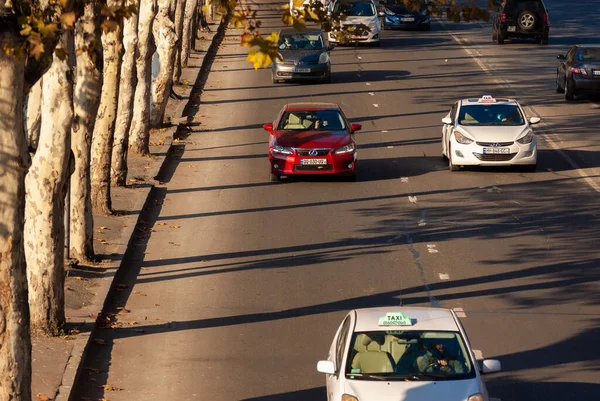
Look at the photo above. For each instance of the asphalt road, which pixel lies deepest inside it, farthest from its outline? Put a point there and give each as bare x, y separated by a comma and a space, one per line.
244, 281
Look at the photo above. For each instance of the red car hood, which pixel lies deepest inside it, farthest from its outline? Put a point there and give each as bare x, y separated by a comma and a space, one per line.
312, 139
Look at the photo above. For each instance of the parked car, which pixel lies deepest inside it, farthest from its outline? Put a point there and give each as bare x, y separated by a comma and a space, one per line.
311, 138
578, 71
395, 14
357, 14
305, 56
524, 19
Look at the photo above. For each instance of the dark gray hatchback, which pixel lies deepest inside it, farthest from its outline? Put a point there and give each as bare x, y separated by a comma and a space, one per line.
305, 56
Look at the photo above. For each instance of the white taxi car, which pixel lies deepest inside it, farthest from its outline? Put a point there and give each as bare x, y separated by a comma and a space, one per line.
403, 354
488, 132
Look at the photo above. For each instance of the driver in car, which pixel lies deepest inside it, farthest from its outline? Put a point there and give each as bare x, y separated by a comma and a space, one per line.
436, 360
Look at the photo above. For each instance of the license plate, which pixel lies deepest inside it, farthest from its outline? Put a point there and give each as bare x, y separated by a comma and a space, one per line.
407, 19
596, 73
488, 151
300, 69
511, 29
313, 161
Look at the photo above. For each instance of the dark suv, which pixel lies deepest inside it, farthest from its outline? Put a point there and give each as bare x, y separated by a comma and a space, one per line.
521, 19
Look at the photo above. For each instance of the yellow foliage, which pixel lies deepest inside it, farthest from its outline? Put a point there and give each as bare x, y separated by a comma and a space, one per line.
68, 19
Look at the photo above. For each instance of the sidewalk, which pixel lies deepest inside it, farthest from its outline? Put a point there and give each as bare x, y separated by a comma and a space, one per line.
56, 360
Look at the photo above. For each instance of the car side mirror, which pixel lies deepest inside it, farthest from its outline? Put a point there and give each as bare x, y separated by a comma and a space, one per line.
356, 127
490, 366
447, 120
534, 120
326, 367
330, 47
268, 127
561, 57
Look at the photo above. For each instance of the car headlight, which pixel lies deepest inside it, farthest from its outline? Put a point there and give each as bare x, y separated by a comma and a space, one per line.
460, 138
475, 397
278, 60
324, 58
527, 138
373, 24
425, 13
348, 397
282, 149
389, 12
345, 149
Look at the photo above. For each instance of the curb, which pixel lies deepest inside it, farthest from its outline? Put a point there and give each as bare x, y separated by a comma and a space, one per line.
73, 368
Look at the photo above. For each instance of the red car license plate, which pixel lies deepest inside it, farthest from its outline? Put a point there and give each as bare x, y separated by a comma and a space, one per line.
312, 161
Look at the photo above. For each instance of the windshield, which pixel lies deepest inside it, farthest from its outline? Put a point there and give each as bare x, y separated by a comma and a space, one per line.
490, 114
301, 41
408, 355
585, 55
355, 9
319, 120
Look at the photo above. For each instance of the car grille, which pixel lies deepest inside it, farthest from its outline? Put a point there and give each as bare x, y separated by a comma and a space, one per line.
305, 152
494, 144
494, 157
318, 167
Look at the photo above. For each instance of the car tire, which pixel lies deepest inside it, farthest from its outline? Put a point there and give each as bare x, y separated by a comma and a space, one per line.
273, 79
527, 20
427, 27
499, 38
494, 36
559, 89
451, 166
377, 44
569, 95
274, 177
544, 40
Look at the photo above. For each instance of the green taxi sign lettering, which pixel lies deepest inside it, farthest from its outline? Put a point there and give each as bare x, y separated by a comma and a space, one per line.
395, 319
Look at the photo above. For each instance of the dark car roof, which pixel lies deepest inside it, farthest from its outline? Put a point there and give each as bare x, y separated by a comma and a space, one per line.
311, 106
289, 30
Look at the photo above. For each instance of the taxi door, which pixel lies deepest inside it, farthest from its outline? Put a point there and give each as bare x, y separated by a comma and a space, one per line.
447, 129
337, 352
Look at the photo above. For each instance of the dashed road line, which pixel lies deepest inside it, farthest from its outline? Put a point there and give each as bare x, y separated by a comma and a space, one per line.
412, 199
444, 276
432, 249
460, 312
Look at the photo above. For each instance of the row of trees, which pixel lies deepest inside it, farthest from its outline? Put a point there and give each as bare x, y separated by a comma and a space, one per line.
76, 97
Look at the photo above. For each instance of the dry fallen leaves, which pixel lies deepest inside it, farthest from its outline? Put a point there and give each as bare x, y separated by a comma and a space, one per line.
41, 397
141, 294
108, 387
175, 226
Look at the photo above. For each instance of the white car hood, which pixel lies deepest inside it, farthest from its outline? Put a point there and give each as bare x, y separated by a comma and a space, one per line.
359, 20
447, 390
494, 133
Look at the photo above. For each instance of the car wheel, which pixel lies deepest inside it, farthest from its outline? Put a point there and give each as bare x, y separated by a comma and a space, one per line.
568, 94
499, 38
494, 36
544, 40
559, 88
275, 177
451, 166
427, 27
377, 44
327, 79
273, 79
527, 20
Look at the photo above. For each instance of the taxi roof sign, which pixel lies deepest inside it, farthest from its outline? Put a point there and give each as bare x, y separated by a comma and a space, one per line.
487, 99
395, 319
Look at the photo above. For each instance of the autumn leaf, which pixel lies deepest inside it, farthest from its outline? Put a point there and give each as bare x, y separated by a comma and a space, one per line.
109, 26
175, 226
141, 294
258, 58
37, 50
41, 397
67, 19
108, 387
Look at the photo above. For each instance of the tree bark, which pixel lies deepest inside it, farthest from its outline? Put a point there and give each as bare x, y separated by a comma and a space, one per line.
190, 11
179, 13
139, 134
102, 139
45, 199
127, 84
15, 342
34, 114
86, 99
166, 41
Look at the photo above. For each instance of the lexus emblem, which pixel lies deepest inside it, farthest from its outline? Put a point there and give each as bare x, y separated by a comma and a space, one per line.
313, 152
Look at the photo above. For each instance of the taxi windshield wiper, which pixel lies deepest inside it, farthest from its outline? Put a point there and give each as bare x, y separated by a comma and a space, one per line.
369, 376
433, 376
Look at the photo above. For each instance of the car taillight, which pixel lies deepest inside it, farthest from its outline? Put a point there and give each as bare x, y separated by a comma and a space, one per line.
580, 71
503, 17
546, 19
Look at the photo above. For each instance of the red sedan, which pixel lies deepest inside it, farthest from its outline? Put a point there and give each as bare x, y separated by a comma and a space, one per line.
311, 138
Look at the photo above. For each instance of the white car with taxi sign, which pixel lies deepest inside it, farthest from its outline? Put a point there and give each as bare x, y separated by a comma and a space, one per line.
489, 132
403, 354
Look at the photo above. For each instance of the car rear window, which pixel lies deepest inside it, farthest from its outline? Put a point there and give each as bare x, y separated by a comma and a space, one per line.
318, 120
585, 55
490, 114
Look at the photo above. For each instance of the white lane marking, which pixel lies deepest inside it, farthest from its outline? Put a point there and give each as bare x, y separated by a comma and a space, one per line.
478, 354
431, 249
460, 312
368, 83
384, 130
375, 105
390, 147
359, 57
404, 179
422, 223
502, 82
412, 199
372, 93
444, 276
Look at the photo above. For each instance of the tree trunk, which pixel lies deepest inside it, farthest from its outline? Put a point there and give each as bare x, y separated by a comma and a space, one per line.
179, 12
139, 134
166, 41
15, 343
86, 99
45, 199
190, 10
127, 84
102, 139
34, 114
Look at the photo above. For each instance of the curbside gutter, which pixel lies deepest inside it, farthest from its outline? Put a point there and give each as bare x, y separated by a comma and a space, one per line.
74, 366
